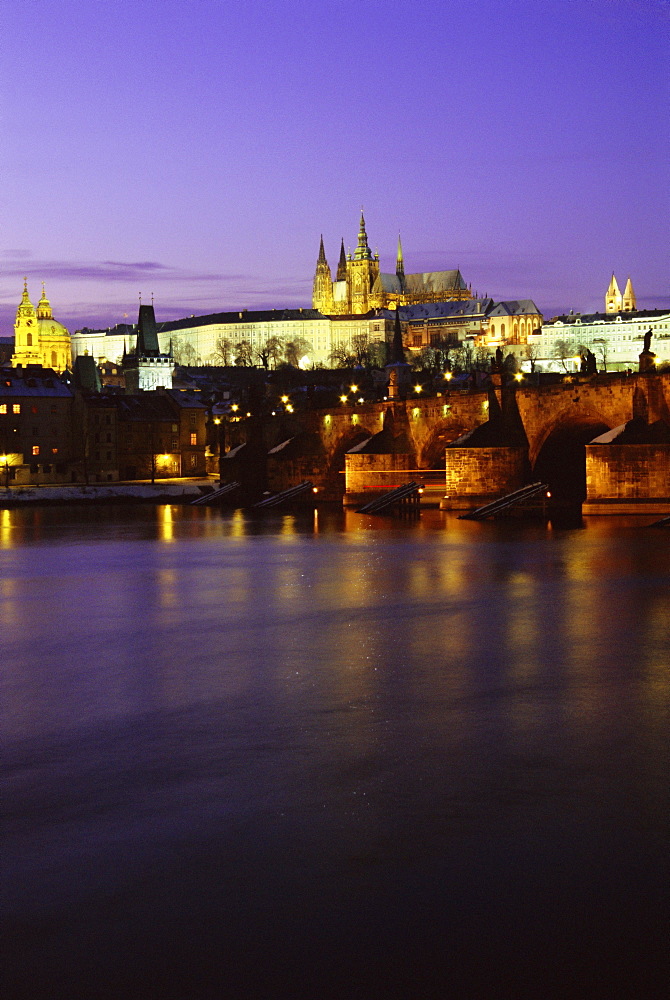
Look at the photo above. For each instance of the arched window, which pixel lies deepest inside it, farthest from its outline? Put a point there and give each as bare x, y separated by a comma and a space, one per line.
29, 339
502, 329
54, 359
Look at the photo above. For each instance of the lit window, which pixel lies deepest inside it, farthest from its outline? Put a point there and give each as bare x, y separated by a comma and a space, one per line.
16, 407
36, 449
3, 407
54, 451
194, 438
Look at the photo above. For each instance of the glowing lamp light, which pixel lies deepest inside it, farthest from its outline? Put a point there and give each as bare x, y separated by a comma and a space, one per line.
548, 495
234, 407
448, 376
519, 377
284, 399
418, 388
248, 414
420, 489
343, 399
315, 489
289, 408
360, 399
217, 420
354, 388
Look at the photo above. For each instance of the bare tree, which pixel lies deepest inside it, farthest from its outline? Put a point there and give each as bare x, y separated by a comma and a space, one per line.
602, 350
295, 350
224, 351
531, 353
270, 352
564, 351
342, 357
243, 354
186, 354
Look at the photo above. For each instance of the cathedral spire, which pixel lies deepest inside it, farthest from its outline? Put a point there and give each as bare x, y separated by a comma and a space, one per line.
322, 253
629, 300
363, 251
613, 298
342, 264
400, 264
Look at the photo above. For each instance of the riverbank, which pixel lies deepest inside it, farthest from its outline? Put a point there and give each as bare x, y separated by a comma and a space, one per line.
169, 491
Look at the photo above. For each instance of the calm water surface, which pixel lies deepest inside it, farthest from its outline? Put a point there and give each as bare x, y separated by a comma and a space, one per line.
327, 756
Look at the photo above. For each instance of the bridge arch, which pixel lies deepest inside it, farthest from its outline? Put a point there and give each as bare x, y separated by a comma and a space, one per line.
559, 453
431, 453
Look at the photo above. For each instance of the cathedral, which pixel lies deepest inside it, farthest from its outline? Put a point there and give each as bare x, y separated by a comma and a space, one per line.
360, 286
39, 339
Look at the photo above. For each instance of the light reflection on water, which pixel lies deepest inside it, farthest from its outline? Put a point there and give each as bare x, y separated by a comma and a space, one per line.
314, 738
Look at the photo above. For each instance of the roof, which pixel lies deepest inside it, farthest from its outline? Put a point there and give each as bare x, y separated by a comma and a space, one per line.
601, 317
147, 337
145, 406
184, 398
85, 373
242, 316
514, 307
422, 282
437, 310
32, 381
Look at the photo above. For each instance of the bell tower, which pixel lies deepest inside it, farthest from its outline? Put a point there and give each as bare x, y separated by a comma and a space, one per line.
629, 301
613, 299
363, 271
26, 334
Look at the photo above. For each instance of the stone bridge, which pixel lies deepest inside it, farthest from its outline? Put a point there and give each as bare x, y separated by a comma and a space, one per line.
518, 432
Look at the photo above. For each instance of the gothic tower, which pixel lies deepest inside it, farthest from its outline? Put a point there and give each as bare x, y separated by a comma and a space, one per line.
363, 271
400, 265
629, 301
613, 299
322, 289
342, 264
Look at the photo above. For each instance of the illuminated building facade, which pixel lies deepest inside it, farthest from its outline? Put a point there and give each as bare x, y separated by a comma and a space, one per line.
360, 286
36, 440
616, 340
39, 339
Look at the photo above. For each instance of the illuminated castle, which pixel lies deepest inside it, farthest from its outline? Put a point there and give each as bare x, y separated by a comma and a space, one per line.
38, 338
616, 302
360, 286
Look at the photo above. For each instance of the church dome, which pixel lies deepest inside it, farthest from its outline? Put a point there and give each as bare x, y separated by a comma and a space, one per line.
50, 328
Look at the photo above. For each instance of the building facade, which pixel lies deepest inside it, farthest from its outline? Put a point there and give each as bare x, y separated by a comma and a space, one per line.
617, 340
36, 427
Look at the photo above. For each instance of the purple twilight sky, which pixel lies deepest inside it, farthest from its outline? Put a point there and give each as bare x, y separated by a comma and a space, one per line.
198, 150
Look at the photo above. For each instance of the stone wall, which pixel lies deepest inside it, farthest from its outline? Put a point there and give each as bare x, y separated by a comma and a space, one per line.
367, 475
627, 471
482, 473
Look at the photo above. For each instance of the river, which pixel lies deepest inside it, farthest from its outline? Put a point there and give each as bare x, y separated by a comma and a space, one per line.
320, 755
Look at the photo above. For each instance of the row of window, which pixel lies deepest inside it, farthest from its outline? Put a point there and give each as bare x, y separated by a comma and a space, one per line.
16, 408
